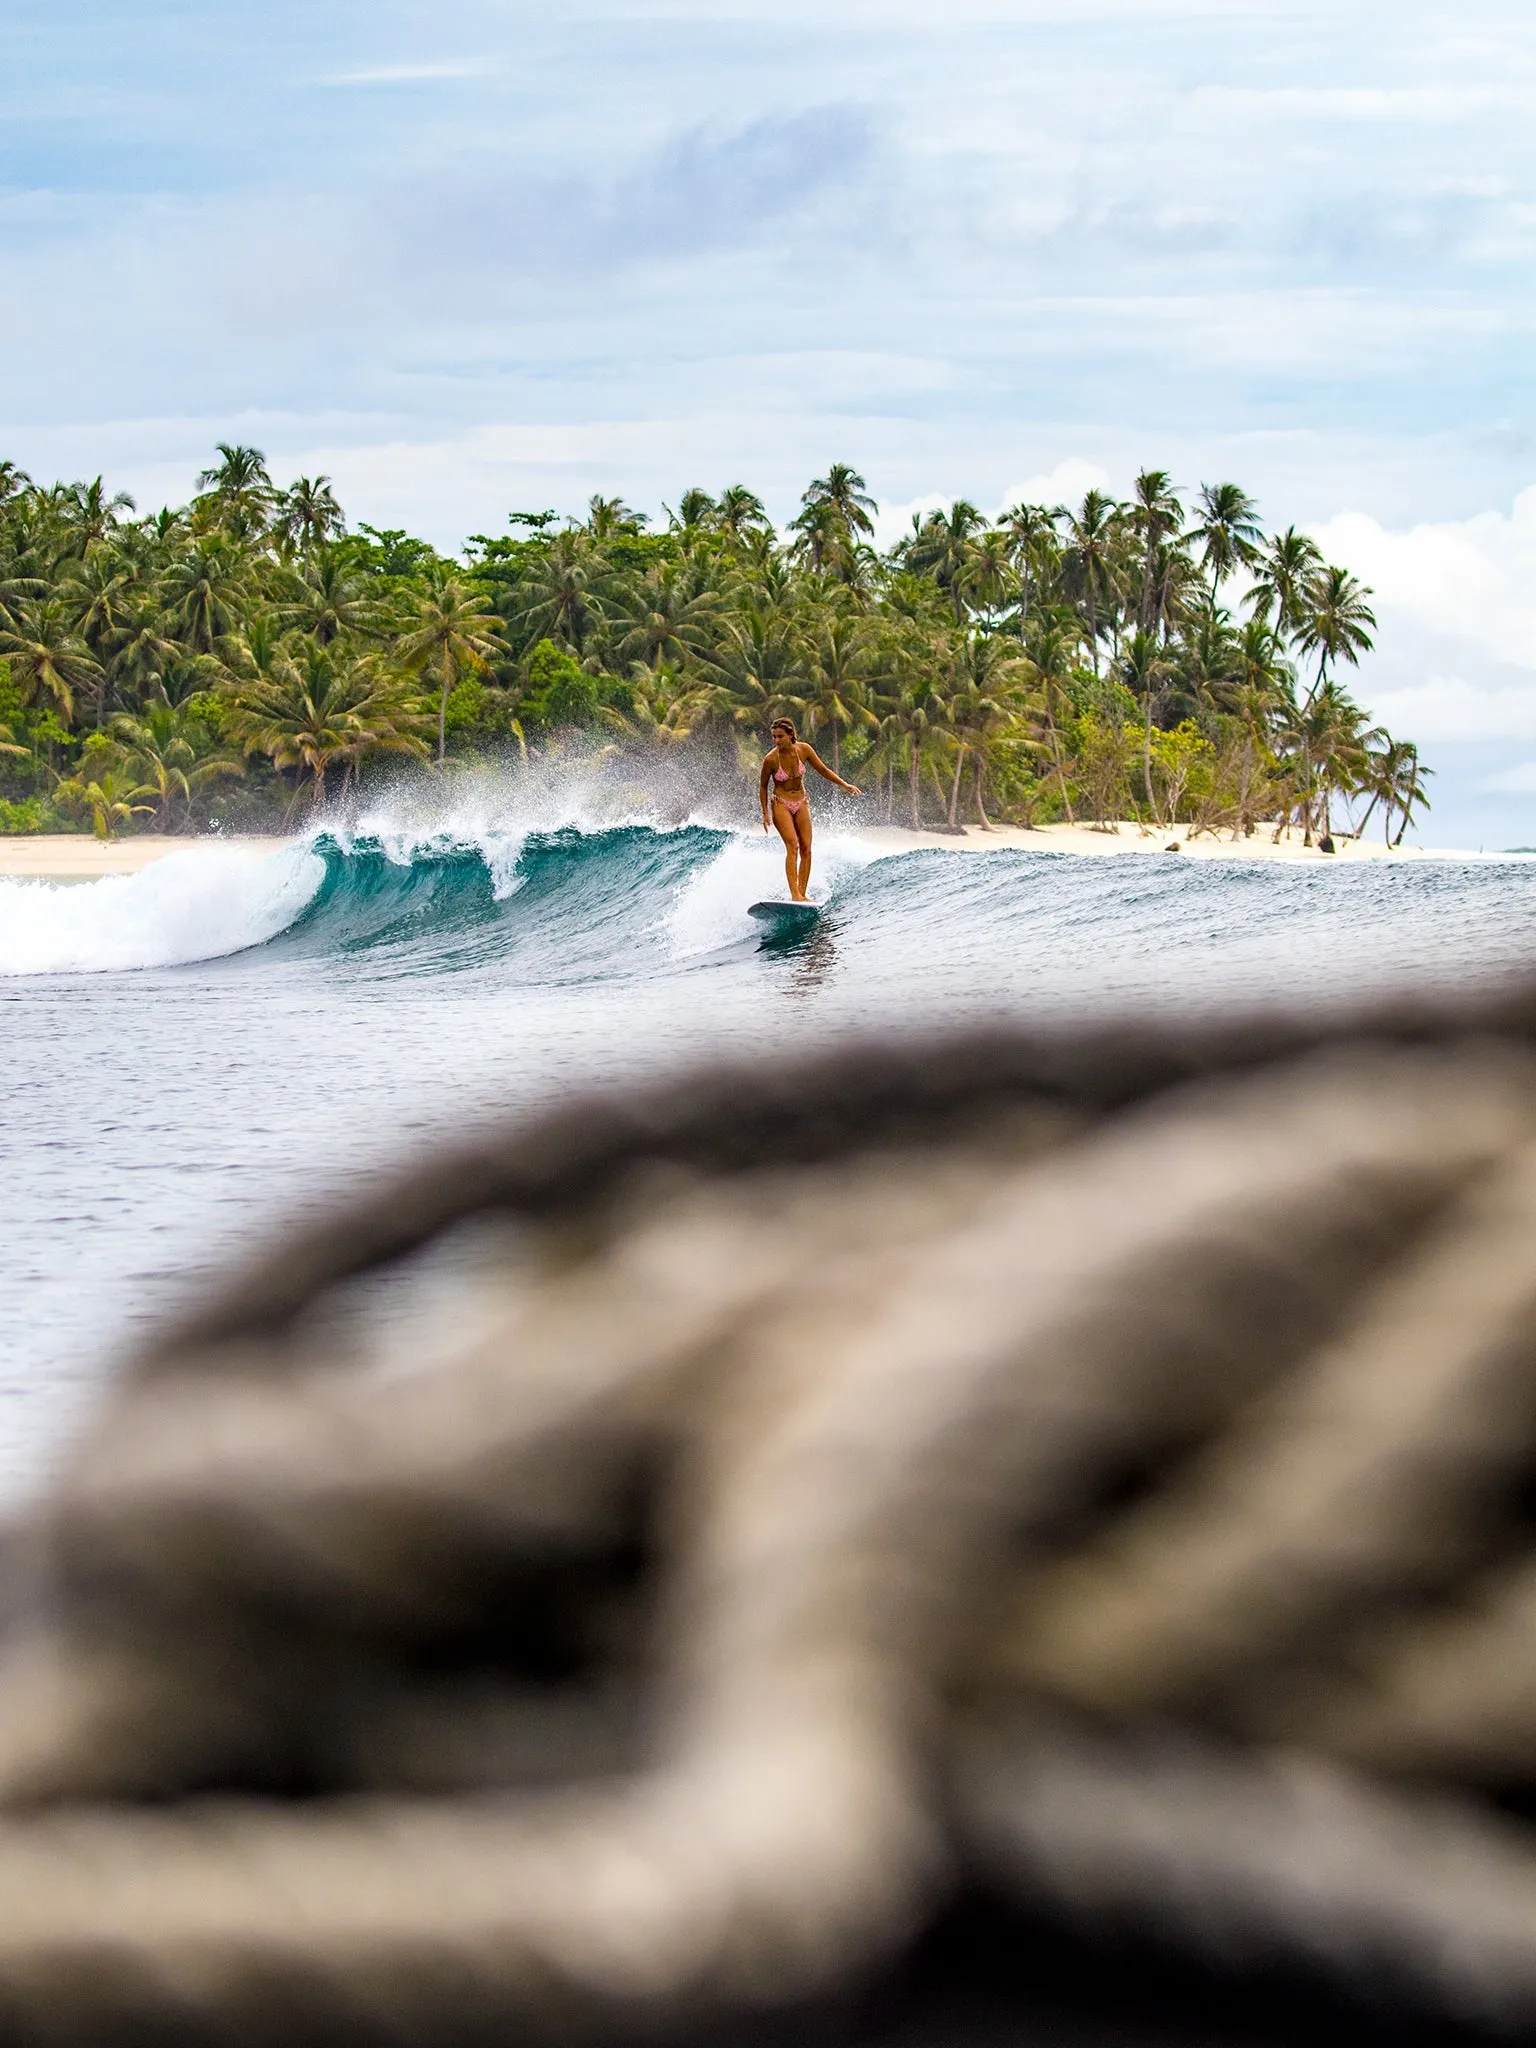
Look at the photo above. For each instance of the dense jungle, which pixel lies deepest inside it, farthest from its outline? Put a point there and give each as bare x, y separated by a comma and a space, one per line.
237, 663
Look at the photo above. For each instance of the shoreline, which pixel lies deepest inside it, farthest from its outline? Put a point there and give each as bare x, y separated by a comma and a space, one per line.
68, 857
1130, 837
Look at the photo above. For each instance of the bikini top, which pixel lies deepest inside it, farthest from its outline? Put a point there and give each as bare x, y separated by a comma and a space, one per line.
781, 775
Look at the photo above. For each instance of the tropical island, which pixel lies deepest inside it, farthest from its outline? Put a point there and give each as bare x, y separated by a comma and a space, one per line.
237, 663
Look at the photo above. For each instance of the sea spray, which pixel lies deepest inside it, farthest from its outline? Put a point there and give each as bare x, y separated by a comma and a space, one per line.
200, 904
711, 907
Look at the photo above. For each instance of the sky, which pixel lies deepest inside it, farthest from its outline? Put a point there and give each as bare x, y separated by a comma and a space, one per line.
486, 256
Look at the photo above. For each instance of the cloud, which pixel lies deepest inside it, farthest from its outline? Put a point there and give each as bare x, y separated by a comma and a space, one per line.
1451, 709
410, 74
1472, 581
1519, 781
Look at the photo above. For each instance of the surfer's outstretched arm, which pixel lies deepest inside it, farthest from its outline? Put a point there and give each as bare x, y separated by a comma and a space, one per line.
812, 759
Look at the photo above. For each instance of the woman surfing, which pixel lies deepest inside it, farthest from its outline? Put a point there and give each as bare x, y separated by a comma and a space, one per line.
782, 782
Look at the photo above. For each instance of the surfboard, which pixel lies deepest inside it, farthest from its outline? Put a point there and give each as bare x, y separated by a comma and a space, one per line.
782, 920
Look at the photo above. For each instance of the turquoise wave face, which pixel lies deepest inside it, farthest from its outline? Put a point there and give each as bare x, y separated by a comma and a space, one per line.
564, 904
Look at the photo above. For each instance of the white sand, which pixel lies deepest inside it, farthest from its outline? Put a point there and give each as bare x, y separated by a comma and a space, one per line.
67, 857
1134, 838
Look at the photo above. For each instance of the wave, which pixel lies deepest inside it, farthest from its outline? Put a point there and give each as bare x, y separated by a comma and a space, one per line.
563, 903
200, 904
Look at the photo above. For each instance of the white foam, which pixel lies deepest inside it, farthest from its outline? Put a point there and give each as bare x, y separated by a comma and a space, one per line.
200, 904
710, 909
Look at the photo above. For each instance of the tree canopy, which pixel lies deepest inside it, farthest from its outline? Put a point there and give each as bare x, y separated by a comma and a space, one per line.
248, 656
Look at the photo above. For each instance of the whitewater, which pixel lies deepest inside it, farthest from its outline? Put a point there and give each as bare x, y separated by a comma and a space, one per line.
198, 1053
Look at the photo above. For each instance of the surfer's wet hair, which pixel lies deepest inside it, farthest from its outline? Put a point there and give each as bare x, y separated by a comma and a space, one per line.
784, 725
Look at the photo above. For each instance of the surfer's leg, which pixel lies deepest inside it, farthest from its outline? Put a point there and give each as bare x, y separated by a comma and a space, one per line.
803, 829
786, 825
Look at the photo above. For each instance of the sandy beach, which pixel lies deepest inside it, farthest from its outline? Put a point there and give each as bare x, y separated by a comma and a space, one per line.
1131, 837
76, 858
70, 857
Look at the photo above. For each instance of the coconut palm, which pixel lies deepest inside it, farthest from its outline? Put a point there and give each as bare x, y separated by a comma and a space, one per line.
240, 494
48, 658
740, 514
844, 493
207, 592
1088, 561
327, 597
986, 690
140, 652
1156, 515
107, 792
1049, 655
1284, 573
307, 513
453, 633
842, 658
560, 597
944, 547
695, 509
166, 748
1337, 622
669, 615
610, 518
1257, 691
325, 707
1144, 669
1228, 531
1394, 779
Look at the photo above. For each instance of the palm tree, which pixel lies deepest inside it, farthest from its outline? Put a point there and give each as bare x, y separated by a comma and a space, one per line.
985, 692
1031, 531
695, 508
1395, 780
308, 513
1257, 691
561, 594
739, 514
207, 592
140, 652
327, 597
757, 671
166, 748
1050, 665
1088, 562
240, 492
1144, 670
1155, 515
834, 515
1228, 532
1284, 574
841, 657
608, 518
322, 708
944, 547
100, 588
48, 658
94, 515
455, 633
669, 615
109, 796
1335, 626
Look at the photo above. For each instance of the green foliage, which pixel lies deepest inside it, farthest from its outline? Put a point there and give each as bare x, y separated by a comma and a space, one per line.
230, 659
30, 815
559, 694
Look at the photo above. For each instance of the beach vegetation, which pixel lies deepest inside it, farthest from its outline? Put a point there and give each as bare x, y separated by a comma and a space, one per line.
253, 655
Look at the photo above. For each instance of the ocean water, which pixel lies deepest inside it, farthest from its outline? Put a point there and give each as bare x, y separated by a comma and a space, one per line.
195, 1055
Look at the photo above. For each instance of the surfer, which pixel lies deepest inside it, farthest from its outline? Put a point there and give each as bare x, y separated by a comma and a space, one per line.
783, 776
